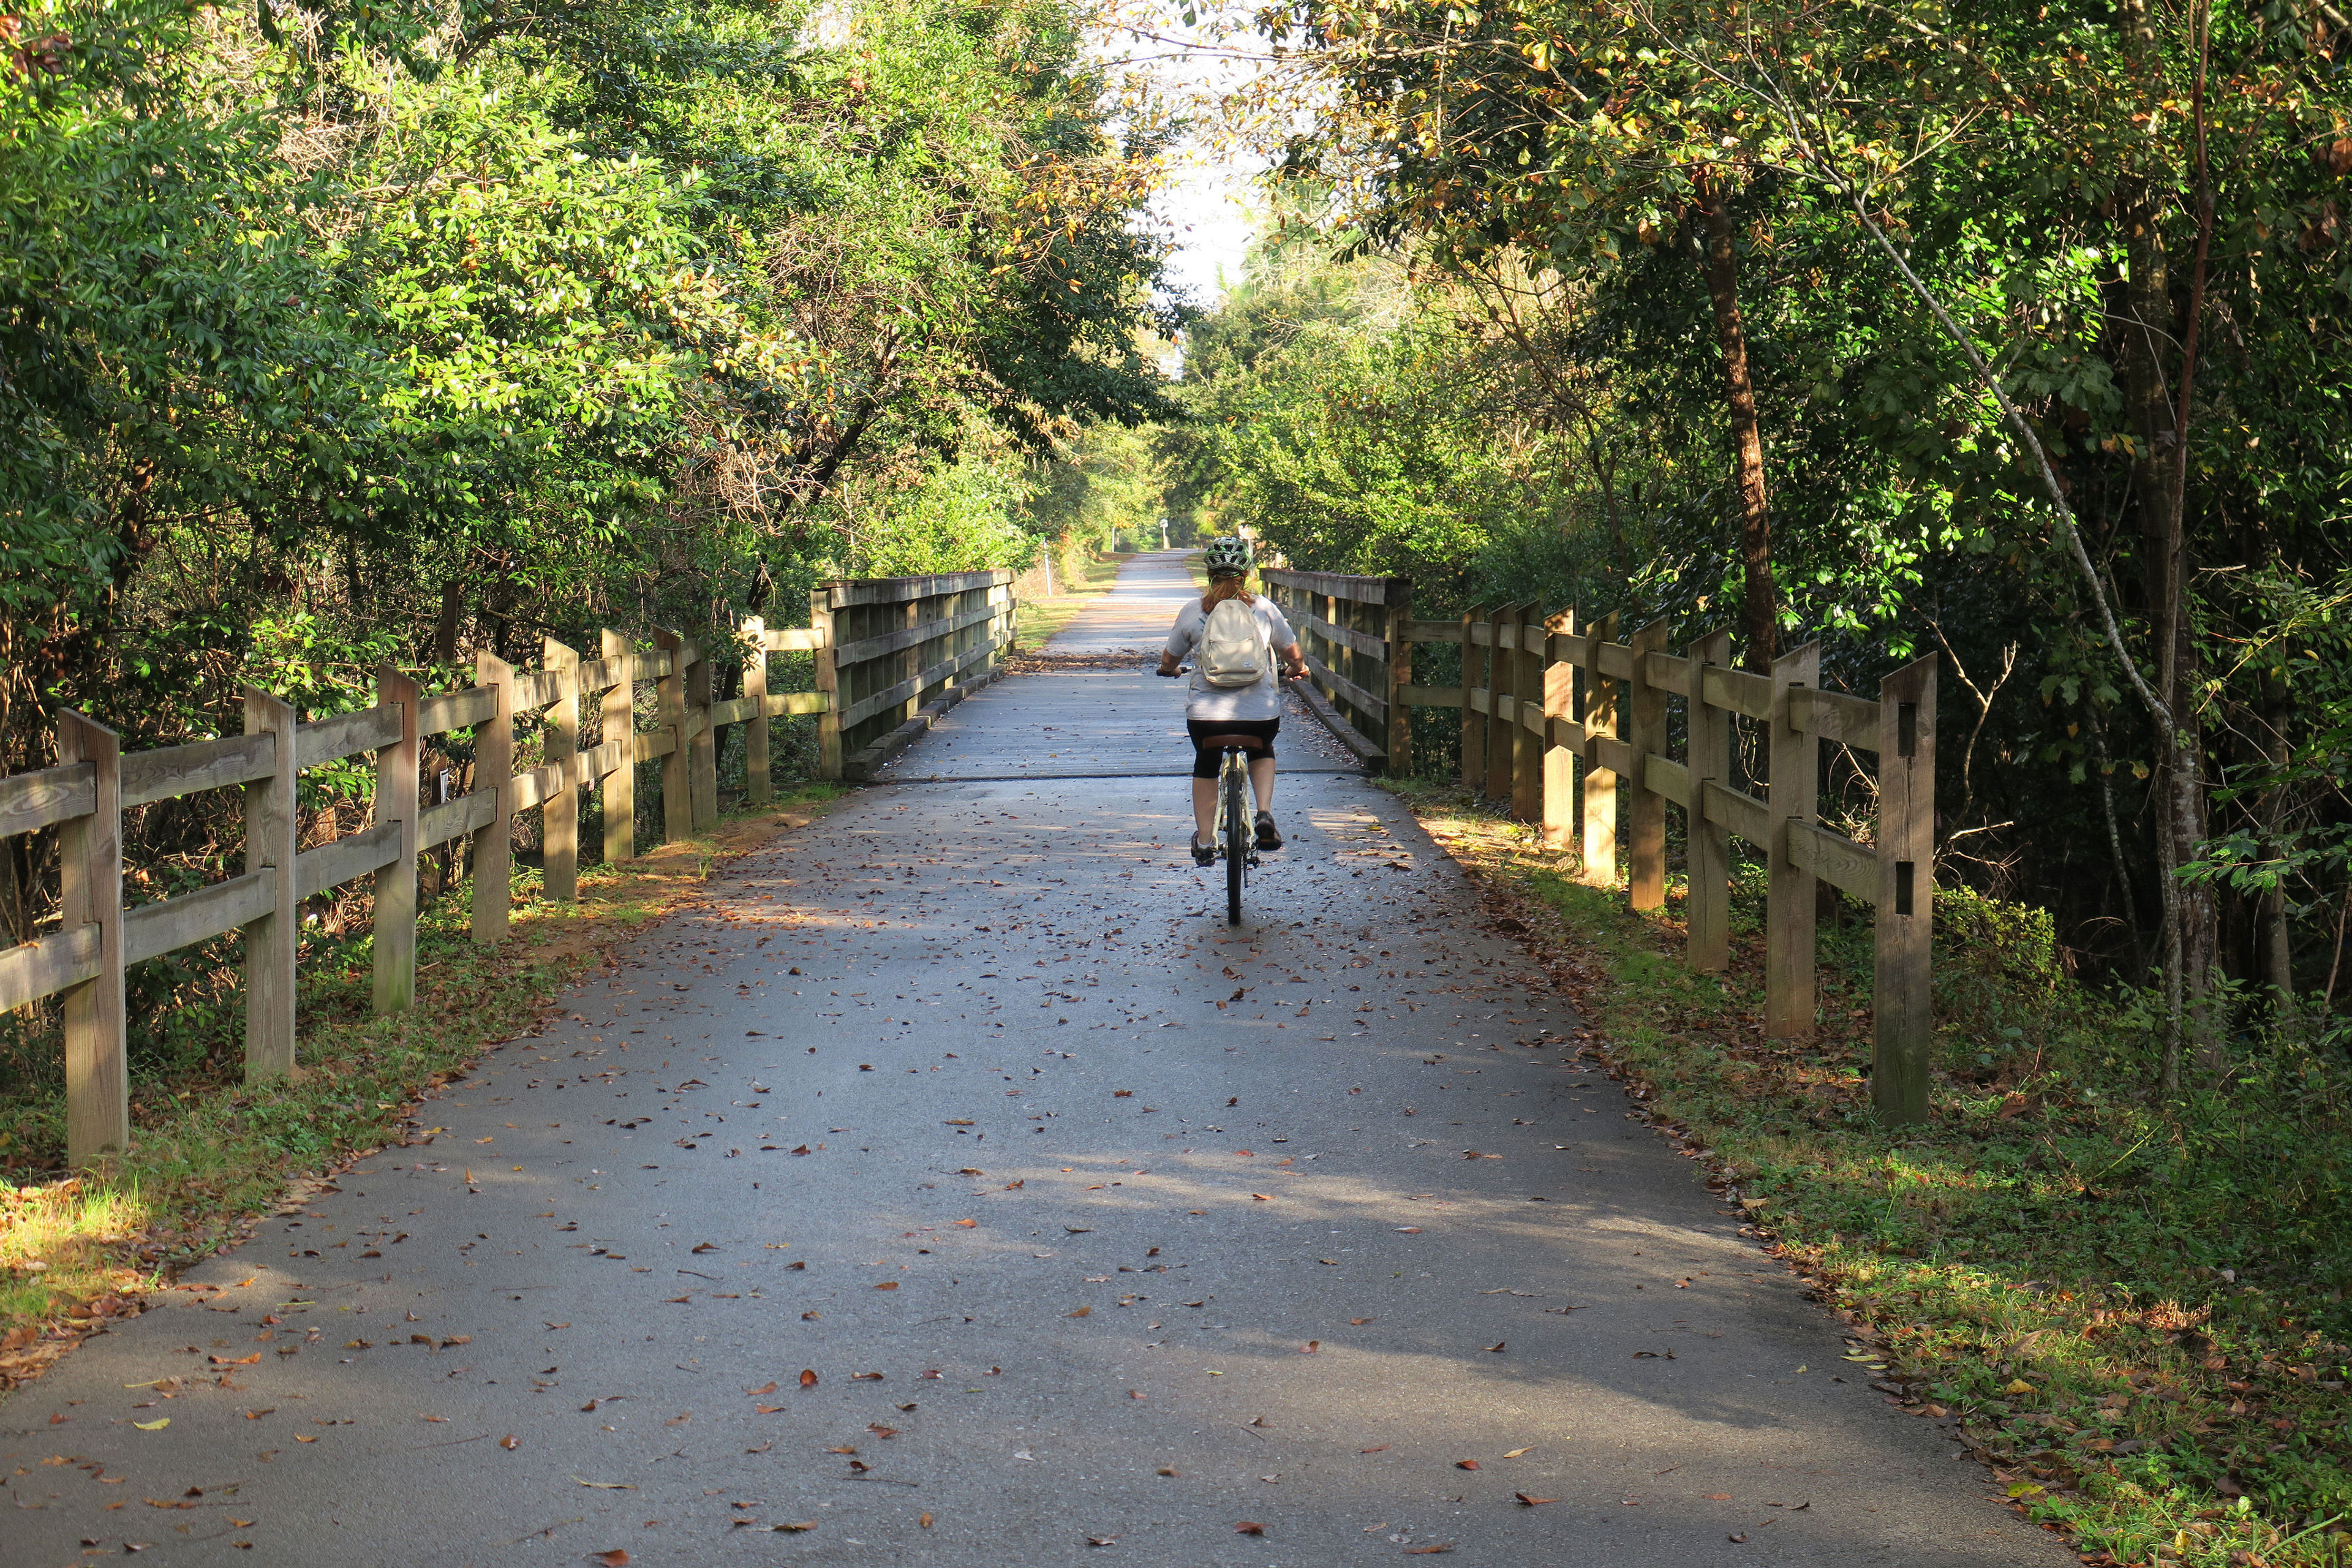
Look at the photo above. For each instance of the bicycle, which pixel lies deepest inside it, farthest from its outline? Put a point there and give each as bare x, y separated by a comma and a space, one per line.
1235, 836
1236, 833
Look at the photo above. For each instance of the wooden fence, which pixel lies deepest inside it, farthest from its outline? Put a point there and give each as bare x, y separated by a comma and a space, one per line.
877, 689
1355, 634
1572, 727
903, 650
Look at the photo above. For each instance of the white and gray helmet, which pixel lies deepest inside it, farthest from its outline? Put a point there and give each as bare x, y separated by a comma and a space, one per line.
1229, 555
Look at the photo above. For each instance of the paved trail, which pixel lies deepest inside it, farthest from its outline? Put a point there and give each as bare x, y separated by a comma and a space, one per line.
1176, 1230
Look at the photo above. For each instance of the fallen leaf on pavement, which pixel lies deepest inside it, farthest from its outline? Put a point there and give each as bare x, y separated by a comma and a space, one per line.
1716, 1497
1381, 1450
1081, 1312
1735, 1538
1310, 1347
608, 1486
888, 1285
1518, 1453
1527, 1501
808, 1377
1428, 1551
1248, 1527
766, 1388
925, 1522
791, 1529
1358, 1323
509, 1442
1102, 1540
1466, 1464
616, 1558
152, 1425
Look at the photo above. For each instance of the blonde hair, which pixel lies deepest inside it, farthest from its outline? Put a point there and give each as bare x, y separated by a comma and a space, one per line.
1224, 589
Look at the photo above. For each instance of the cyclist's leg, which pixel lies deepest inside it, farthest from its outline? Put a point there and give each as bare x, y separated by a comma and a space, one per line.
1262, 782
1205, 763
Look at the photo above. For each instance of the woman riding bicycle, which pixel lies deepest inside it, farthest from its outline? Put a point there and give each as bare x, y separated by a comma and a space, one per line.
1212, 710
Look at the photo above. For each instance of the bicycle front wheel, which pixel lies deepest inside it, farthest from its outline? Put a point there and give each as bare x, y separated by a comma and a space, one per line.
1238, 844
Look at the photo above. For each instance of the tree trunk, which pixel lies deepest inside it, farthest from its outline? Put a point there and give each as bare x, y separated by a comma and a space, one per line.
1606, 472
1720, 263
2148, 321
444, 630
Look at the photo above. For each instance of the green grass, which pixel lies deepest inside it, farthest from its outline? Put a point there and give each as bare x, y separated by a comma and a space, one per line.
2132, 1308
210, 1154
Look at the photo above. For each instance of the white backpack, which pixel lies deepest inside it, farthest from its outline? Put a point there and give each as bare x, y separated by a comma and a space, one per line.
1233, 645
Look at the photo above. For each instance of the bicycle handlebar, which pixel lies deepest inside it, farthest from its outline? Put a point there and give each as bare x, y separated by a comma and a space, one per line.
1187, 669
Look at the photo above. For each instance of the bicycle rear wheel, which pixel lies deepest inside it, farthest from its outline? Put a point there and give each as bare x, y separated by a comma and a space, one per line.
1237, 843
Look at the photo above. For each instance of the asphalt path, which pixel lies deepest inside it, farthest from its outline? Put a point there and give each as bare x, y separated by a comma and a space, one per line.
1309, 1242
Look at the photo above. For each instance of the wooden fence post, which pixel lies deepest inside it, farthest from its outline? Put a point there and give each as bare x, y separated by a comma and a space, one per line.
1902, 1016
558, 817
395, 884
828, 679
1009, 623
1559, 760
1396, 638
1474, 723
669, 719
90, 885
702, 737
1793, 794
910, 662
271, 941
1708, 922
620, 723
1502, 683
1600, 868
1528, 742
1646, 808
759, 789
494, 773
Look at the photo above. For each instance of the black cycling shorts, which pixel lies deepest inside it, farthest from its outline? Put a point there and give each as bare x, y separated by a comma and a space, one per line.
1206, 759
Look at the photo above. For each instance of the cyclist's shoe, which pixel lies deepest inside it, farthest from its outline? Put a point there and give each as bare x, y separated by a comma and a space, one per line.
1204, 854
1267, 837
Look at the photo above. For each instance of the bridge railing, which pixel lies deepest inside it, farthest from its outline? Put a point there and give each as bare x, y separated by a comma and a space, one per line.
909, 646
900, 652
1355, 633
1573, 726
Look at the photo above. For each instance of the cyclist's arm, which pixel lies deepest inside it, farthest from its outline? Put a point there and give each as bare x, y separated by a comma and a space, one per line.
1294, 662
1181, 641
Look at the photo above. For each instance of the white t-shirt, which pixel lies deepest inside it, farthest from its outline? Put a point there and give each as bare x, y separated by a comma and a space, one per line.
1263, 700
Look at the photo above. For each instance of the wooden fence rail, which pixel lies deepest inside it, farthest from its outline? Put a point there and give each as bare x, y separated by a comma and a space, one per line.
949, 635
1572, 725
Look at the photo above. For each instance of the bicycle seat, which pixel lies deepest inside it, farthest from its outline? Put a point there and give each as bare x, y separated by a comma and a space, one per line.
1252, 744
